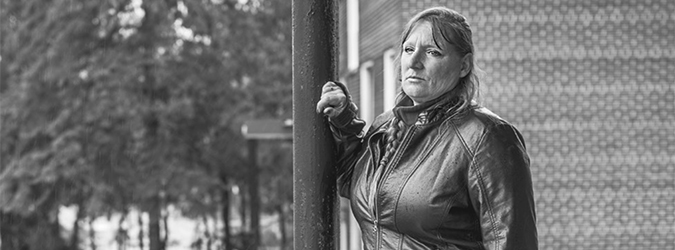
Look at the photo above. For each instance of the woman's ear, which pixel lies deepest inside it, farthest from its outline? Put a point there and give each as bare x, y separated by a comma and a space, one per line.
467, 65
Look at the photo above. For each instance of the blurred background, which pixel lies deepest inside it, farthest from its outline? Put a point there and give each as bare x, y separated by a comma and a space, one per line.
122, 121
122, 124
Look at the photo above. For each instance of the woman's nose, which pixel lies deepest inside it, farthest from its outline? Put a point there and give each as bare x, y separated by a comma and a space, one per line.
416, 61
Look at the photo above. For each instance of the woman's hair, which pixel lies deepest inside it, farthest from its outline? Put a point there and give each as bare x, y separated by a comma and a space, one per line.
451, 27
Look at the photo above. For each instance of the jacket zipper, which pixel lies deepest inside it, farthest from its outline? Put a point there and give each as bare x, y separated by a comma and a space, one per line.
371, 196
379, 181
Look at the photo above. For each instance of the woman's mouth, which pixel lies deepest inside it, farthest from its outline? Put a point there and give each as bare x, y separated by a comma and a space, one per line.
414, 78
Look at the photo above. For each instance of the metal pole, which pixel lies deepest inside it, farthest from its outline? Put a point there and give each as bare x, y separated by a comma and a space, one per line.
315, 46
254, 197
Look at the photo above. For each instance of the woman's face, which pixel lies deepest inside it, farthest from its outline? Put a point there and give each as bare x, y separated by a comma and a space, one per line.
428, 71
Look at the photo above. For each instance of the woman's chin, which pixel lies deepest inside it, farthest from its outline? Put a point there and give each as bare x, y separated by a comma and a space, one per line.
417, 99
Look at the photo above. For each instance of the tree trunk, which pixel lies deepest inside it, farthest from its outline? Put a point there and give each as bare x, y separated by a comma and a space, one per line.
121, 236
207, 233
154, 225
140, 230
282, 226
225, 196
92, 235
243, 208
165, 223
75, 237
147, 31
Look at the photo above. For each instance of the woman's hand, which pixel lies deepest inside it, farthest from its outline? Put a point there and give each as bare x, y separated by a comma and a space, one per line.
333, 100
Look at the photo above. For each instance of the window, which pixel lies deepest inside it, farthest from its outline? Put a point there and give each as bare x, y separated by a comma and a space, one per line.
352, 34
367, 94
350, 232
389, 83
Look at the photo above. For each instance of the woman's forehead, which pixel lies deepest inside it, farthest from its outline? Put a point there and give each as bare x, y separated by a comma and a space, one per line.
428, 33
421, 30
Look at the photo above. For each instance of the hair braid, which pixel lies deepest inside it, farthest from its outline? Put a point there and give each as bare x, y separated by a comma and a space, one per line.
394, 135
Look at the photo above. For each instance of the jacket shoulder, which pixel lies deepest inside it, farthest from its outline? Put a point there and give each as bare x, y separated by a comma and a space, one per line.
478, 120
481, 122
488, 118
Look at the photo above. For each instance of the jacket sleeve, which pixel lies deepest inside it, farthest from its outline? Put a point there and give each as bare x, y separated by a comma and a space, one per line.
347, 130
500, 187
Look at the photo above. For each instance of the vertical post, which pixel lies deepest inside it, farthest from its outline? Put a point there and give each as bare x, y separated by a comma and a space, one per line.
225, 211
254, 197
315, 46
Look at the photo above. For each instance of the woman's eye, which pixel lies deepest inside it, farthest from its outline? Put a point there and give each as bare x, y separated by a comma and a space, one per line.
434, 53
408, 50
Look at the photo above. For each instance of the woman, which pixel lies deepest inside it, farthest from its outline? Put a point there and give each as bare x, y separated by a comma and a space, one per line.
438, 171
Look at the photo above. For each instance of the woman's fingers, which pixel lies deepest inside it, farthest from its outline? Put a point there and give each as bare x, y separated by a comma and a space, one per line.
329, 111
330, 86
322, 104
333, 100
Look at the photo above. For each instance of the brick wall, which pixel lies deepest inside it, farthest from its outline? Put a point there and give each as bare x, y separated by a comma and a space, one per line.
381, 23
590, 85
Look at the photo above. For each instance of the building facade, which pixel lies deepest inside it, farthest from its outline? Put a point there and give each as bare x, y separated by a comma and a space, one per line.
590, 84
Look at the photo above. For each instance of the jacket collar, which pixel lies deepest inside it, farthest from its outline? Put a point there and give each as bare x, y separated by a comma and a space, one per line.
407, 112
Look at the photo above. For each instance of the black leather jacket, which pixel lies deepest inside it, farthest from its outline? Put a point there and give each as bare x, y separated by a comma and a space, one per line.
461, 181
